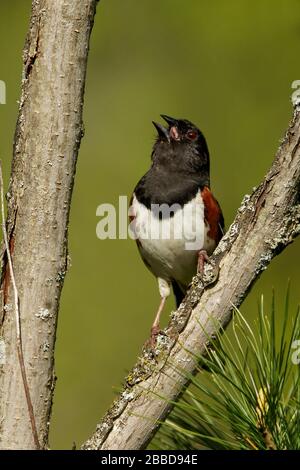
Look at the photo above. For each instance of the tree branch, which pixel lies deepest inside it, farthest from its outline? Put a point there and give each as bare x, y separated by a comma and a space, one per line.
47, 139
17, 319
266, 223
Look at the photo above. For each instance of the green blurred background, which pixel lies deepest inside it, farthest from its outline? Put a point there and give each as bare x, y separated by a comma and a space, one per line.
226, 65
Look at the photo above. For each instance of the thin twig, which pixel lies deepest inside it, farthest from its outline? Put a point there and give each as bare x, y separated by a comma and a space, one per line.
18, 320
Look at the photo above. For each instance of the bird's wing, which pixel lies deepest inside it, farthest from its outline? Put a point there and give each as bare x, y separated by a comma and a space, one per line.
213, 215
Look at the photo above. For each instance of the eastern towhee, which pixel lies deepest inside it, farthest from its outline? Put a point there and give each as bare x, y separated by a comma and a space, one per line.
176, 220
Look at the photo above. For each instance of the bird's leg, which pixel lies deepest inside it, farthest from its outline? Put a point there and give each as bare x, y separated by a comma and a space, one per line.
202, 259
164, 290
155, 329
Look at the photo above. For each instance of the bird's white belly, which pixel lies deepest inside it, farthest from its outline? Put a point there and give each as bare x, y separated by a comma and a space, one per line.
170, 245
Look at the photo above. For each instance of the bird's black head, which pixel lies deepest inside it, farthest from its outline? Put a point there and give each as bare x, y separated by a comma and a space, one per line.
182, 146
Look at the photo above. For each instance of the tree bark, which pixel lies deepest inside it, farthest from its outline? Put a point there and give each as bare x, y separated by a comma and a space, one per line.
47, 139
266, 223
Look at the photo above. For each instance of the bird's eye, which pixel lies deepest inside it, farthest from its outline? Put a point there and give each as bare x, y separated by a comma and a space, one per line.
192, 135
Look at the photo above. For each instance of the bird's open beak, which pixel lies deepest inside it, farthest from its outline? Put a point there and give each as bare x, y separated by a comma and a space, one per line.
171, 121
162, 131
173, 131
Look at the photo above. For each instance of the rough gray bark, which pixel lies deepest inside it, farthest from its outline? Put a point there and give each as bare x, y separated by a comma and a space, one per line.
47, 139
266, 223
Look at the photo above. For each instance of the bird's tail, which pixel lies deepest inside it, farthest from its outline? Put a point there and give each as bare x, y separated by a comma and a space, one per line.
179, 292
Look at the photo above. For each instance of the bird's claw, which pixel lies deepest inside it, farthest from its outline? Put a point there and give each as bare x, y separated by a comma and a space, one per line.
210, 276
155, 331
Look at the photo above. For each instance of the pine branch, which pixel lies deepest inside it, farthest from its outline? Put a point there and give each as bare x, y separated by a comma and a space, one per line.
249, 399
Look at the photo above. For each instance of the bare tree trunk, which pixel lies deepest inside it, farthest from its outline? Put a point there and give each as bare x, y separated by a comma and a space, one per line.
266, 223
47, 139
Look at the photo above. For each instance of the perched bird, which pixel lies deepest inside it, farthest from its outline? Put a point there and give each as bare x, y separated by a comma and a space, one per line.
176, 220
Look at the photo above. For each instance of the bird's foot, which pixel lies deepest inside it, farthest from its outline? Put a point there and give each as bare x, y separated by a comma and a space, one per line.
155, 331
151, 343
213, 273
202, 259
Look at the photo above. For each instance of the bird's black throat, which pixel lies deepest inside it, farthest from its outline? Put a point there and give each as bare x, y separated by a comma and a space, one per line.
161, 187
177, 173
